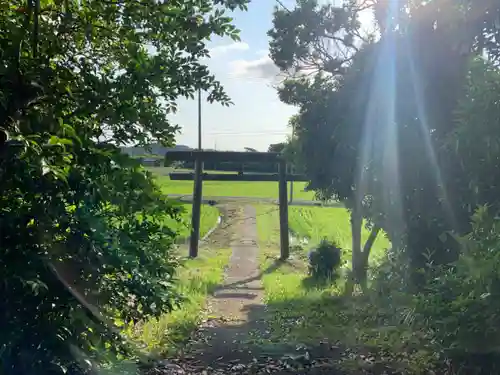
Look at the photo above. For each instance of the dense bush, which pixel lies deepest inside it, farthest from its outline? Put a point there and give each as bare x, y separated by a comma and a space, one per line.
453, 320
84, 245
461, 302
325, 260
77, 240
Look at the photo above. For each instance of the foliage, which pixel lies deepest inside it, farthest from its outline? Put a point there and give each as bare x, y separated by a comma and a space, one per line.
289, 150
197, 279
455, 314
472, 148
63, 243
453, 308
405, 128
84, 245
384, 146
276, 147
461, 301
325, 260
314, 38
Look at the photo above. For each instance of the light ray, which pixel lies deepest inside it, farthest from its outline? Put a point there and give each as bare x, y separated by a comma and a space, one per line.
425, 131
379, 145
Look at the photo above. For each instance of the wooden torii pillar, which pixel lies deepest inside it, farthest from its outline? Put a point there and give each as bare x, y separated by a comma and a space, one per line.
199, 157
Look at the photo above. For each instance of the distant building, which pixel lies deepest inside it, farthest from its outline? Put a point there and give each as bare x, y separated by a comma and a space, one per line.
149, 162
152, 150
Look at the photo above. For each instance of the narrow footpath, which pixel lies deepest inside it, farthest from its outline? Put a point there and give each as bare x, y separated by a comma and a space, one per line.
231, 340
236, 310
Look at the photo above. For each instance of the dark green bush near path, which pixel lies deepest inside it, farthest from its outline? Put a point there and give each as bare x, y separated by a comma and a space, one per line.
325, 260
83, 242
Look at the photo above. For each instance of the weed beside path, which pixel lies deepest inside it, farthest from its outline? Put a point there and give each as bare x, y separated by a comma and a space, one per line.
208, 220
197, 279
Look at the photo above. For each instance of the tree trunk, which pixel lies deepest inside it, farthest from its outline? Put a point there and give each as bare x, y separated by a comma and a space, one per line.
365, 256
370, 241
356, 224
360, 257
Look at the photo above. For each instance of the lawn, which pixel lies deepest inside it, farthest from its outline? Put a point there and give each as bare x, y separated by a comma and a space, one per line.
228, 189
196, 281
208, 220
333, 223
301, 312
309, 225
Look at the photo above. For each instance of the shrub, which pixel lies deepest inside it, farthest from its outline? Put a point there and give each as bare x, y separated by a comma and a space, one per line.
86, 246
110, 250
461, 302
325, 260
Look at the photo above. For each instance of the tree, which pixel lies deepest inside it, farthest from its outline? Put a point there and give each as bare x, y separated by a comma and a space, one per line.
427, 36
383, 109
321, 41
276, 147
84, 244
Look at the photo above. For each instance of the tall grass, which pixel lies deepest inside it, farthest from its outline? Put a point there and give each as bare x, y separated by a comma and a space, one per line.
196, 281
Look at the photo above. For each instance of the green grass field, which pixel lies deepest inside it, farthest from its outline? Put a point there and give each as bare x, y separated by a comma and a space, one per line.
301, 312
227, 189
208, 220
314, 224
333, 223
209, 214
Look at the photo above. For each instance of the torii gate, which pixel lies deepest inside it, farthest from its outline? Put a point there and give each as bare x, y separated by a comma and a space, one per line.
233, 156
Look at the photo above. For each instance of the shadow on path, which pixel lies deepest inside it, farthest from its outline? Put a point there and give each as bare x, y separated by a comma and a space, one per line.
237, 337
273, 267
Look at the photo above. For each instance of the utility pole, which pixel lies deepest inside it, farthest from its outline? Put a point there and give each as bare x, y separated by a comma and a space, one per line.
292, 169
197, 192
199, 119
283, 210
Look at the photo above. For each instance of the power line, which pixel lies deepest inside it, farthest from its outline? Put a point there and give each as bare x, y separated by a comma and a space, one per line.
280, 3
277, 132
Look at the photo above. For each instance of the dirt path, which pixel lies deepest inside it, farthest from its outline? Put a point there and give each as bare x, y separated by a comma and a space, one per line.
230, 341
236, 310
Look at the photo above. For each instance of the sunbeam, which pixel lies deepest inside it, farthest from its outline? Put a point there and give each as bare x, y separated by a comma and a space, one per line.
379, 145
425, 132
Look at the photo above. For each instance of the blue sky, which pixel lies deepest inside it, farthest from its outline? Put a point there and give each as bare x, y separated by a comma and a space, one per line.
257, 117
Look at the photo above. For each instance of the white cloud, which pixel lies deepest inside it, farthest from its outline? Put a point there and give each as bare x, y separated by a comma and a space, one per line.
262, 67
225, 48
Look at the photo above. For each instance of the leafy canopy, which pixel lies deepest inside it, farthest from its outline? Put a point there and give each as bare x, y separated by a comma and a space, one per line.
83, 233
